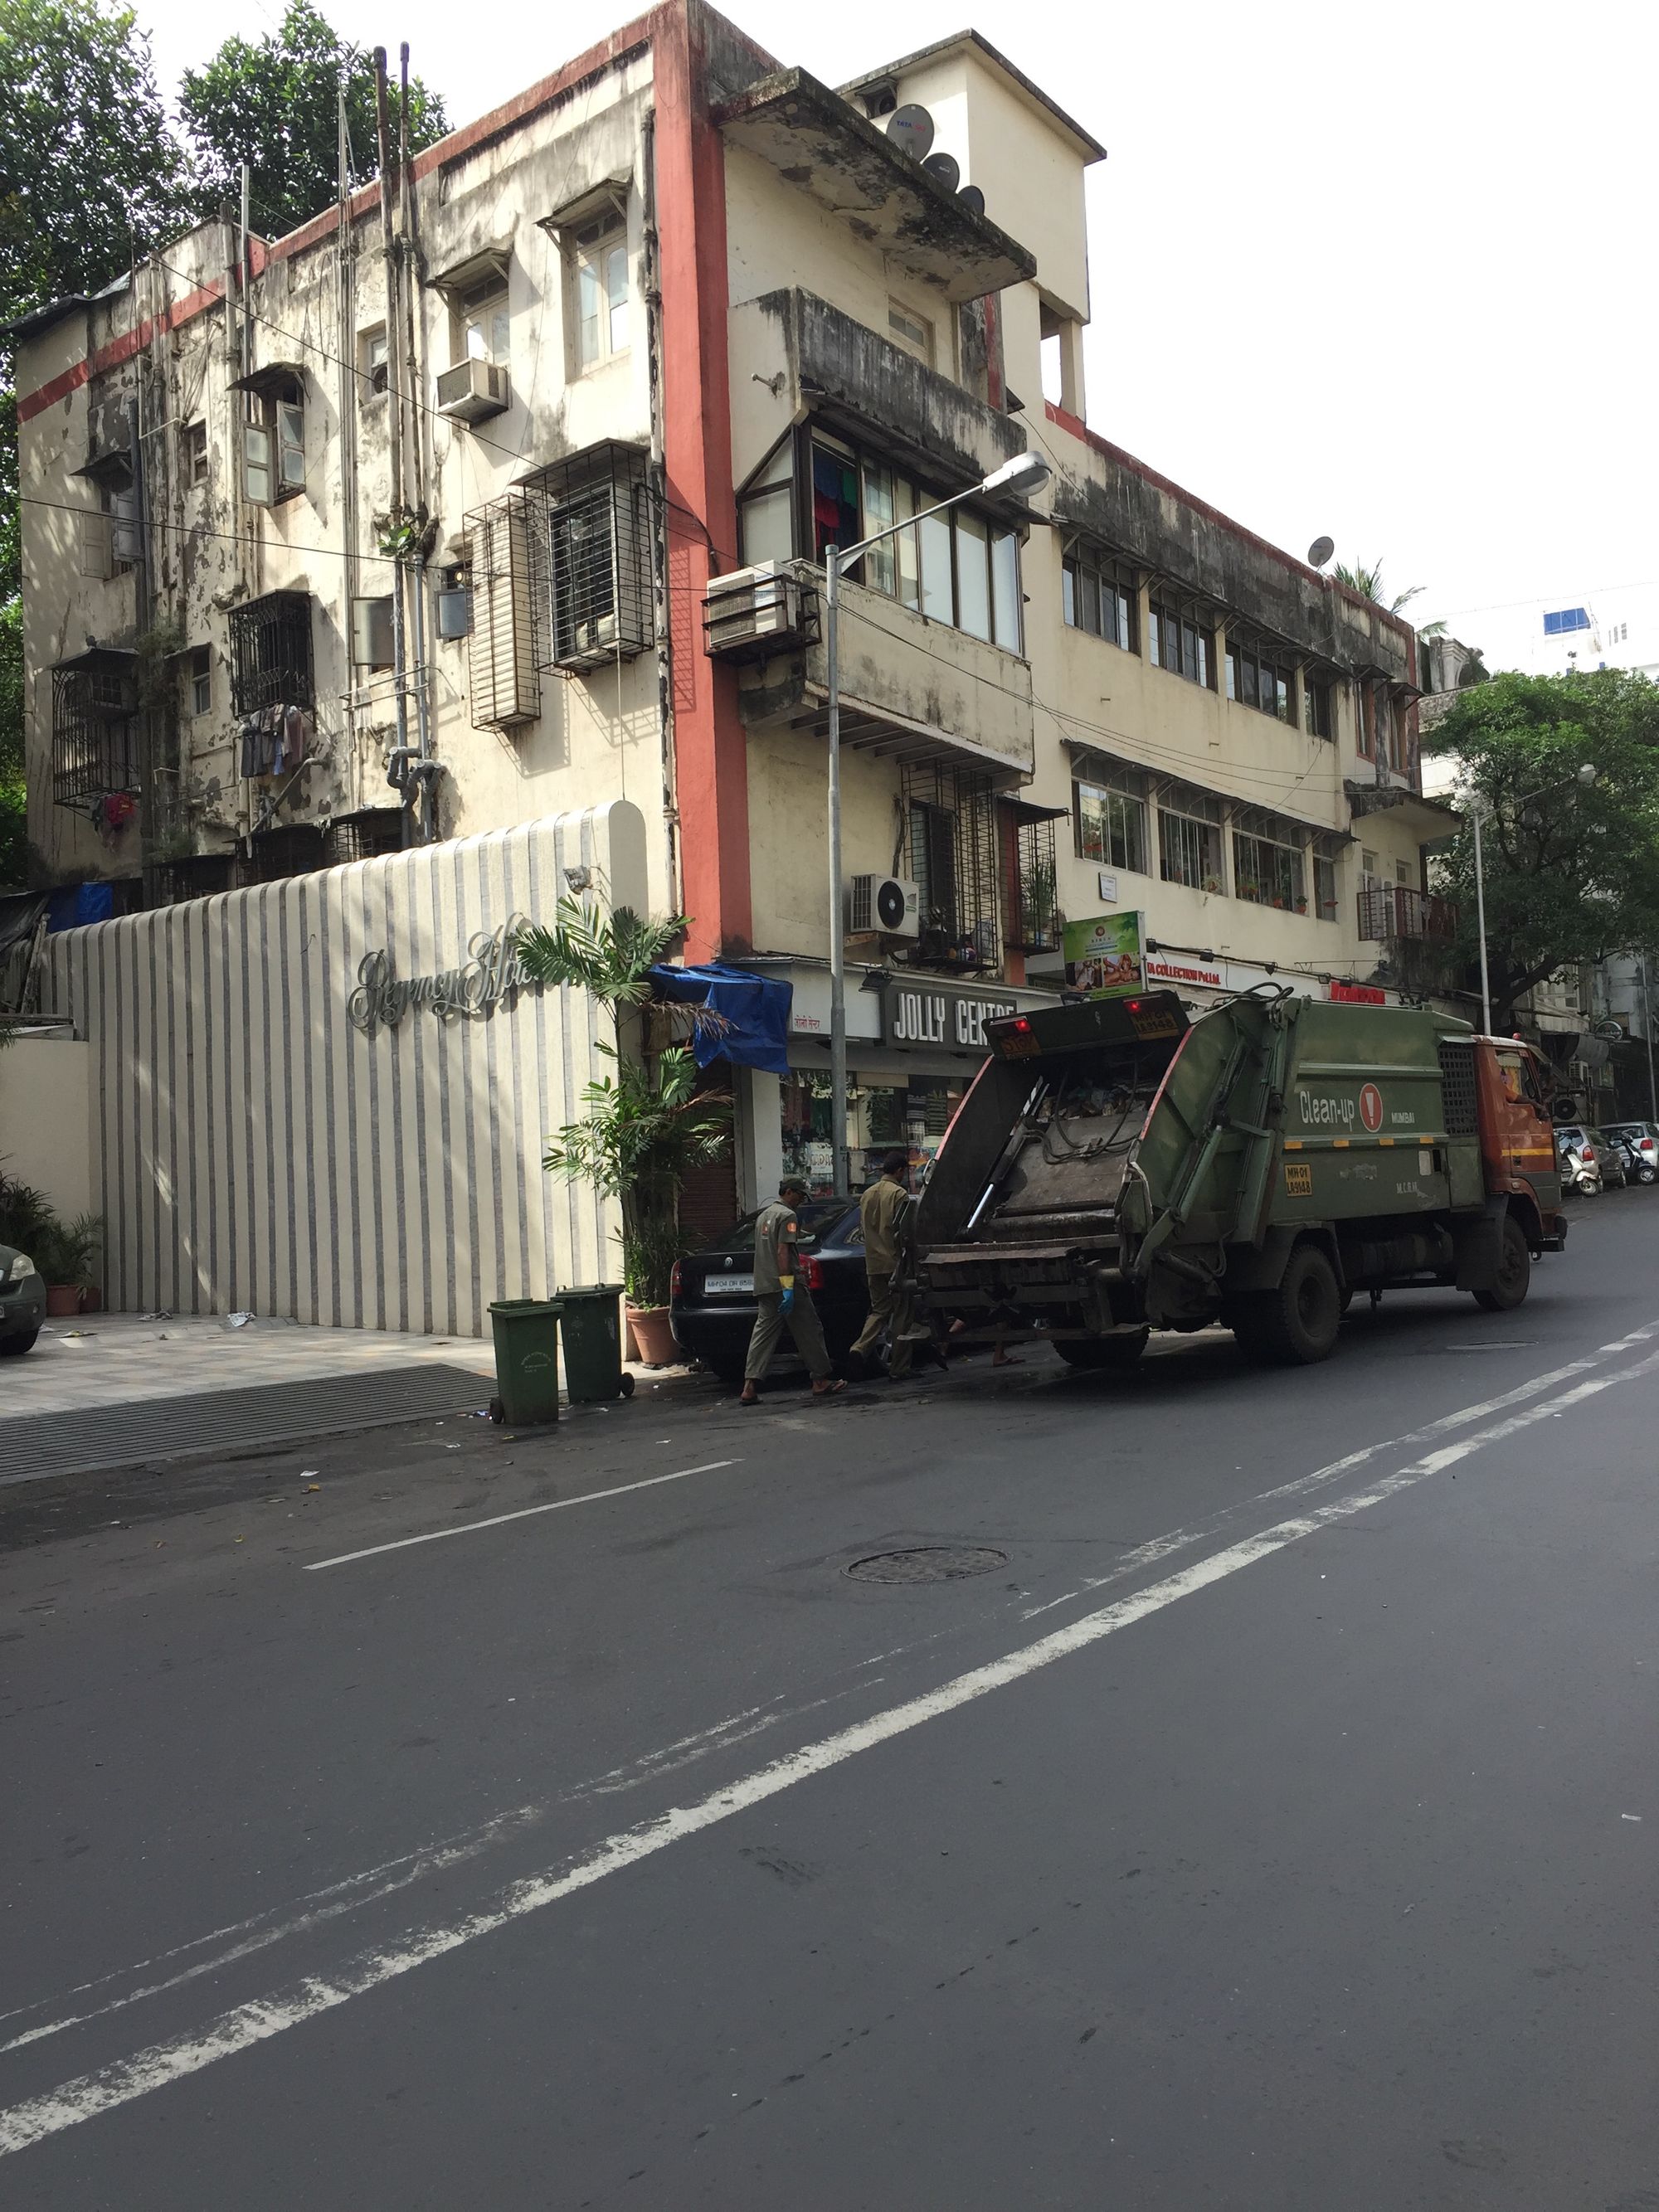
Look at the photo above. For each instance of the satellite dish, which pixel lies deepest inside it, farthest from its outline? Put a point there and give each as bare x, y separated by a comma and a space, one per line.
912, 128
1320, 551
972, 198
944, 167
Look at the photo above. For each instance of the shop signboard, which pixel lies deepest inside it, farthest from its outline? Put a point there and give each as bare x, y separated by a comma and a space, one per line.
1107, 957
1358, 995
934, 1015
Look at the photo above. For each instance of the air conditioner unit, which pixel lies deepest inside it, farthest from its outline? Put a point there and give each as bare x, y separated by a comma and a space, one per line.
751, 611
884, 904
473, 390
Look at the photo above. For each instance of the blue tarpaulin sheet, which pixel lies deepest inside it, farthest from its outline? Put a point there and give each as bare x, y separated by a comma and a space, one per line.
78, 904
754, 1012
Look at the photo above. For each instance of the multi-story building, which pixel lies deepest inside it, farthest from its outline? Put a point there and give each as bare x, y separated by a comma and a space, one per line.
506, 495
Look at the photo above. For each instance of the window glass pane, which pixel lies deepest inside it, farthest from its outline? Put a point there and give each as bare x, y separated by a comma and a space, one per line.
906, 554
1124, 633
780, 469
1068, 584
767, 535
973, 576
291, 435
1005, 589
938, 594
1232, 671
1088, 601
879, 571
836, 510
616, 290
587, 314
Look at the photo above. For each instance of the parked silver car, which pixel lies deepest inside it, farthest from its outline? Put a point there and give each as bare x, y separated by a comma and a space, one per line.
1640, 1142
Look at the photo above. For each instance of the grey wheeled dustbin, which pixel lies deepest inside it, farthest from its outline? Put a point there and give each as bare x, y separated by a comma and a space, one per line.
526, 1332
592, 1329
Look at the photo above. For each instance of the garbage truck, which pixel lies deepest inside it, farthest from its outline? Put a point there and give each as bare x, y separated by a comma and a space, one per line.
1116, 1167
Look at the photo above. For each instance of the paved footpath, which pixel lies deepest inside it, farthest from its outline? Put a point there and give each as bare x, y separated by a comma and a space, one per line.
1209, 1789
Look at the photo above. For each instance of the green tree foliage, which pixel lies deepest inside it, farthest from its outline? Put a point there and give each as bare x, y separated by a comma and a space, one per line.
1571, 873
1368, 582
273, 104
89, 176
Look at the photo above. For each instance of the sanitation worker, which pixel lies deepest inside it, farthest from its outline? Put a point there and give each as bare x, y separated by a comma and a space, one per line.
881, 1214
784, 1297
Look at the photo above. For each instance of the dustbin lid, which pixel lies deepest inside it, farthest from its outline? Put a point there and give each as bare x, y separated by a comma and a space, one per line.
527, 1305
593, 1291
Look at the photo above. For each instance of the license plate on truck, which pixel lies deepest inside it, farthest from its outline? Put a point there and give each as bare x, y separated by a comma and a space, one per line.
719, 1286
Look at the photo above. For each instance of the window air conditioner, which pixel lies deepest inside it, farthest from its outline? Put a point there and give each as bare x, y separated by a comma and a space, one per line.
473, 390
751, 607
885, 904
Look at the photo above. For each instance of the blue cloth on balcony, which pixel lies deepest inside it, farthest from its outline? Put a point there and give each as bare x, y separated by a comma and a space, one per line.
753, 1029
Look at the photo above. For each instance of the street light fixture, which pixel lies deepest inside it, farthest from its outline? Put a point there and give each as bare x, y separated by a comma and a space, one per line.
1584, 777
1025, 473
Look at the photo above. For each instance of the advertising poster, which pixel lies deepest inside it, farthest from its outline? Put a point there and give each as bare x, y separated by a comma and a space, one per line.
1107, 958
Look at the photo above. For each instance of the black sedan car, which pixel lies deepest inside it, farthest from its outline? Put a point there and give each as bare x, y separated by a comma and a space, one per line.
22, 1302
712, 1306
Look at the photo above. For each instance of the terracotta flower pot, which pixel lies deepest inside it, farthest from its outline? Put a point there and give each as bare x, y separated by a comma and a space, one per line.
653, 1335
63, 1299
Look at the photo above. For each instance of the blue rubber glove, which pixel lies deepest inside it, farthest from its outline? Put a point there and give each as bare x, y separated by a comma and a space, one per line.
787, 1299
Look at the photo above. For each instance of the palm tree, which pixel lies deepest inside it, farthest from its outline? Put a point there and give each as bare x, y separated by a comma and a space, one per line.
1368, 582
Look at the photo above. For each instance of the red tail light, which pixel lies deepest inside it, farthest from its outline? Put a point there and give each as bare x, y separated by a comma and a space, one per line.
812, 1272
675, 1281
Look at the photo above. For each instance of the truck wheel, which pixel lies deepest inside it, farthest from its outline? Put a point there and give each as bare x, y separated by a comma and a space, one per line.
1099, 1352
1514, 1271
1296, 1324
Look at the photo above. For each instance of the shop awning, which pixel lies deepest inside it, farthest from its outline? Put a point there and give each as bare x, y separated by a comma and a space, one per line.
753, 1030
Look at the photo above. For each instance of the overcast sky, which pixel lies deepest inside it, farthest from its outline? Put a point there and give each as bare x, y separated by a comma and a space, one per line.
1385, 273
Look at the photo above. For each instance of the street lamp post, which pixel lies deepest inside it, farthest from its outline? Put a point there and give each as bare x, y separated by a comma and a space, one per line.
1025, 473
1584, 777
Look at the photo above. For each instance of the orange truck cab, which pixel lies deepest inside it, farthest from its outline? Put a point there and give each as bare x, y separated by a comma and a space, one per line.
1513, 1087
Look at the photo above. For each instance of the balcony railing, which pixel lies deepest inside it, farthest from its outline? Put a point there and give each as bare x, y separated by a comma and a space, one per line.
1392, 910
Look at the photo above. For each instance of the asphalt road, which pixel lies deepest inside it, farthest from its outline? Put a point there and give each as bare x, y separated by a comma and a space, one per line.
1272, 1822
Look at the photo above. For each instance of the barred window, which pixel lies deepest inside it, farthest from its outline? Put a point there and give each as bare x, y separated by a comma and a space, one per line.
1267, 867
1100, 595
1260, 677
1325, 850
1189, 838
1108, 807
1182, 641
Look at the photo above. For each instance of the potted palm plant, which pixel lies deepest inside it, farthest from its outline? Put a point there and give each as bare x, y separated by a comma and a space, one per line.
66, 1255
646, 1125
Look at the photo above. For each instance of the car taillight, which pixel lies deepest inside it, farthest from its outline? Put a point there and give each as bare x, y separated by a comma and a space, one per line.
1644, 1144
812, 1272
675, 1281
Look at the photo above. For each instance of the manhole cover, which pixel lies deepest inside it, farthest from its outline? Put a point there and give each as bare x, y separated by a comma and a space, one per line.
928, 1562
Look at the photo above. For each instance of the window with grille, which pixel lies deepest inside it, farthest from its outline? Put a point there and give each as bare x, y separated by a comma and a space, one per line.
1100, 595
1031, 906
95, 726
1260, 677
270, 662
1267, 866
951, 840
1108, 807
1325, 852
1182, 641
1189, 838
593, 531
502, 656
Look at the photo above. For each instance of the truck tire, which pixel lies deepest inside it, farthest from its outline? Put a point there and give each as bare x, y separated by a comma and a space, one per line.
1296, 1324
1514, 1271
1103, 1353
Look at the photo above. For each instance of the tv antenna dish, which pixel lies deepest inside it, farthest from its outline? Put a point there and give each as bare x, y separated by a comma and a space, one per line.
912, 128
1320, 551
945, 168
972, 198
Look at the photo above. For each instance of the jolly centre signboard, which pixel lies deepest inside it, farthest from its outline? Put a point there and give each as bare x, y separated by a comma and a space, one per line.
933, 1015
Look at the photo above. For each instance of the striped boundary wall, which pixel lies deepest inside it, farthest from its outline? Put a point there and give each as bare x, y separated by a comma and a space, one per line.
254, 1149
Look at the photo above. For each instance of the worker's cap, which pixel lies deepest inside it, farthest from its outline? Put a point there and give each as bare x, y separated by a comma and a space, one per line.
791, 1186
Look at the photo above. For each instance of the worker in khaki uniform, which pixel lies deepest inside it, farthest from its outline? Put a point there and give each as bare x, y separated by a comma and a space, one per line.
881, 1211
783, 1297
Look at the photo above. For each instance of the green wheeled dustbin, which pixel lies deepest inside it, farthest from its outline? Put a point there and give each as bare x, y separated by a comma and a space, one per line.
526, 1332
592, 1329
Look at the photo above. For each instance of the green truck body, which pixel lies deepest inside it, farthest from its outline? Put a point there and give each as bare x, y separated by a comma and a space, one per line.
1114, 1169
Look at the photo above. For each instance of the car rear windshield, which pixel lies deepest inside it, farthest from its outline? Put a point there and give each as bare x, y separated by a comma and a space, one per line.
816, 1217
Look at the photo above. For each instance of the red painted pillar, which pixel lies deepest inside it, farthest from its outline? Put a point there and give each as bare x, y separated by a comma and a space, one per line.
710, 749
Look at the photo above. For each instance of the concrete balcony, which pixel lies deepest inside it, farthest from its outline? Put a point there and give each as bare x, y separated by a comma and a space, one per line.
1390, 913
911, 689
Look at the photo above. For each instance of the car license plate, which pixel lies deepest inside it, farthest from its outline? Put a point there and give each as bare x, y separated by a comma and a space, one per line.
727, 1285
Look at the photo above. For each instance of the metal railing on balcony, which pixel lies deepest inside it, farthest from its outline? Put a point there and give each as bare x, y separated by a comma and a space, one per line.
1394, 911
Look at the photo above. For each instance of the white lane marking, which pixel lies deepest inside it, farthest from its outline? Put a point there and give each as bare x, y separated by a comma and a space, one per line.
247, 2025
525, 1512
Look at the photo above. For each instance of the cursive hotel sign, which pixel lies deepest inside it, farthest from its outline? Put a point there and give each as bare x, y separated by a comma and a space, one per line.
491, 976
